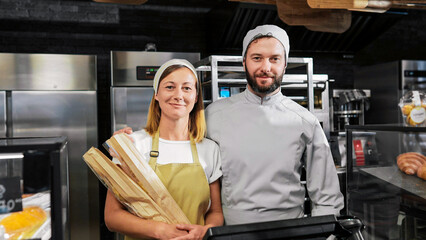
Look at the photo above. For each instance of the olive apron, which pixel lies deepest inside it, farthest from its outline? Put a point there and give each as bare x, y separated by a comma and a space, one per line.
186, 182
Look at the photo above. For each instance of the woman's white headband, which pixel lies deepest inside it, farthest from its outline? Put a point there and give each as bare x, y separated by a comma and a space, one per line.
171, 63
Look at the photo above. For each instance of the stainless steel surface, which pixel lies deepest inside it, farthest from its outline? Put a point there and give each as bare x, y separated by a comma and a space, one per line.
130, 106
413, 83
2, 114
72, 114
124, 63
55, 95
47, 72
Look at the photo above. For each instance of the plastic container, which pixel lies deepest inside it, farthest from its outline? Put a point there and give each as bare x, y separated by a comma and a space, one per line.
413, 108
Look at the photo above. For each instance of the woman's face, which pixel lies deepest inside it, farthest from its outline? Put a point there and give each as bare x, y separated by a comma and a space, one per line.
177, 94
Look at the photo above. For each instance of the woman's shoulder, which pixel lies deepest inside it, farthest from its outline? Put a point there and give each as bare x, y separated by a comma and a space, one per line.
140, 135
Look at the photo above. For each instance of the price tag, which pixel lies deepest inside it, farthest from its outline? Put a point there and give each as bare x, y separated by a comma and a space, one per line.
10, 195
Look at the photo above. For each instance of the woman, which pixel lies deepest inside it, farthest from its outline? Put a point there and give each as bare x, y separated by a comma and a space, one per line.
187, 163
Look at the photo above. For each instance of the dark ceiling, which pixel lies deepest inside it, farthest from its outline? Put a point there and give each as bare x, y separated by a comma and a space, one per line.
218, 26
241, 17
228, 22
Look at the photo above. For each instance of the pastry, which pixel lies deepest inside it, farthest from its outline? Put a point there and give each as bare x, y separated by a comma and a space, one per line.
421, 172
410, 162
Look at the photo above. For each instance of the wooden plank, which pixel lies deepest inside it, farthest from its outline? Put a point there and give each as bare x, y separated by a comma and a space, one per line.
298, 13
368, 9
337, 4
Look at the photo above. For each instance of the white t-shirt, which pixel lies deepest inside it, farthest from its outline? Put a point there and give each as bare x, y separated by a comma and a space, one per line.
180, 152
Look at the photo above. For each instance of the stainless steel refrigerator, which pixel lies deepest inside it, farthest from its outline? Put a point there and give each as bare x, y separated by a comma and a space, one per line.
132, 73
44, 95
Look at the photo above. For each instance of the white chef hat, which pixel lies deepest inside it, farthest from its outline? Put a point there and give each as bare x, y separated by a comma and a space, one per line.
267, 30
168, 64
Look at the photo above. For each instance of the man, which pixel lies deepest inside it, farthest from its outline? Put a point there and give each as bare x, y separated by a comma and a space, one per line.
265, 138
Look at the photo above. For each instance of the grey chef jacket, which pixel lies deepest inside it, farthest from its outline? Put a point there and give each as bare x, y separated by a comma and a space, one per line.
262, 142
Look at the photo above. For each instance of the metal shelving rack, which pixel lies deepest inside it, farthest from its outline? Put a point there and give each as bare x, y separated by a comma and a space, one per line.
233, 64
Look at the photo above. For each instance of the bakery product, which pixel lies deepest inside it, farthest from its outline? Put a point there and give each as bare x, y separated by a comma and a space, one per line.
421, 172
410, 162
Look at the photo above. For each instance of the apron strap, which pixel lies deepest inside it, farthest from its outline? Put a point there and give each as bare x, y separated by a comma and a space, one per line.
194, 150
154, 149
155, 153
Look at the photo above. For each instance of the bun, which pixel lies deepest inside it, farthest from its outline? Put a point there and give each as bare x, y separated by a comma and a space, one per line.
410, 162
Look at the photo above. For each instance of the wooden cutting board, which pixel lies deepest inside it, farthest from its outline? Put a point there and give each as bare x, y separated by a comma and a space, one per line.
298, 12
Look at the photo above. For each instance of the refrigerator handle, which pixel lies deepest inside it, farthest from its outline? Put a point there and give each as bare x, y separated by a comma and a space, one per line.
9, 122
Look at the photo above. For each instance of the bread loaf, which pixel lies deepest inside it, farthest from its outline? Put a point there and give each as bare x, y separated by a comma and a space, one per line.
410, 162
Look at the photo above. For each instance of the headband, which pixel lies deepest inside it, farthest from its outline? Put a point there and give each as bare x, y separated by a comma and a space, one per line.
168, 64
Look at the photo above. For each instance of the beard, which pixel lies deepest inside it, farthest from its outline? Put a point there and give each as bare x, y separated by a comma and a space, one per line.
276, 83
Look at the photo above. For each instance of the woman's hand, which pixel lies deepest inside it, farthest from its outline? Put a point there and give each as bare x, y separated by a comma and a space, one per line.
195, 232
169, 231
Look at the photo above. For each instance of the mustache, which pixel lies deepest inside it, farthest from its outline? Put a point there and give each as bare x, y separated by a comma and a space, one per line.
271, 75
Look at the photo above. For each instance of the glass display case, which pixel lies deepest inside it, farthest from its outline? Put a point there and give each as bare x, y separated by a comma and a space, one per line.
34, 189
383, 187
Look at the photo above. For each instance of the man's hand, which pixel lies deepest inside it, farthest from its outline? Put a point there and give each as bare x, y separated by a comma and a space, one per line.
195, 232
127, 130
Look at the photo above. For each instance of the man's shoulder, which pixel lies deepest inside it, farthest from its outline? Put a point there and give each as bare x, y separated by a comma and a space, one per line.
299, 110
222, 104
208, 143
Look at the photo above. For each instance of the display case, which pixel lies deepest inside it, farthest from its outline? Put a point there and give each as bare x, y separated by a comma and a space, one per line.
391, 202
34, 188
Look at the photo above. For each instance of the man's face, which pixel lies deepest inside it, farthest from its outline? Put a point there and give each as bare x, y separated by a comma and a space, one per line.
265, 65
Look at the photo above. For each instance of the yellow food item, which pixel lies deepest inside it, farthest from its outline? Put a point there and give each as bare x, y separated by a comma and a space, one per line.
406, 109
410, 121
21, 225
